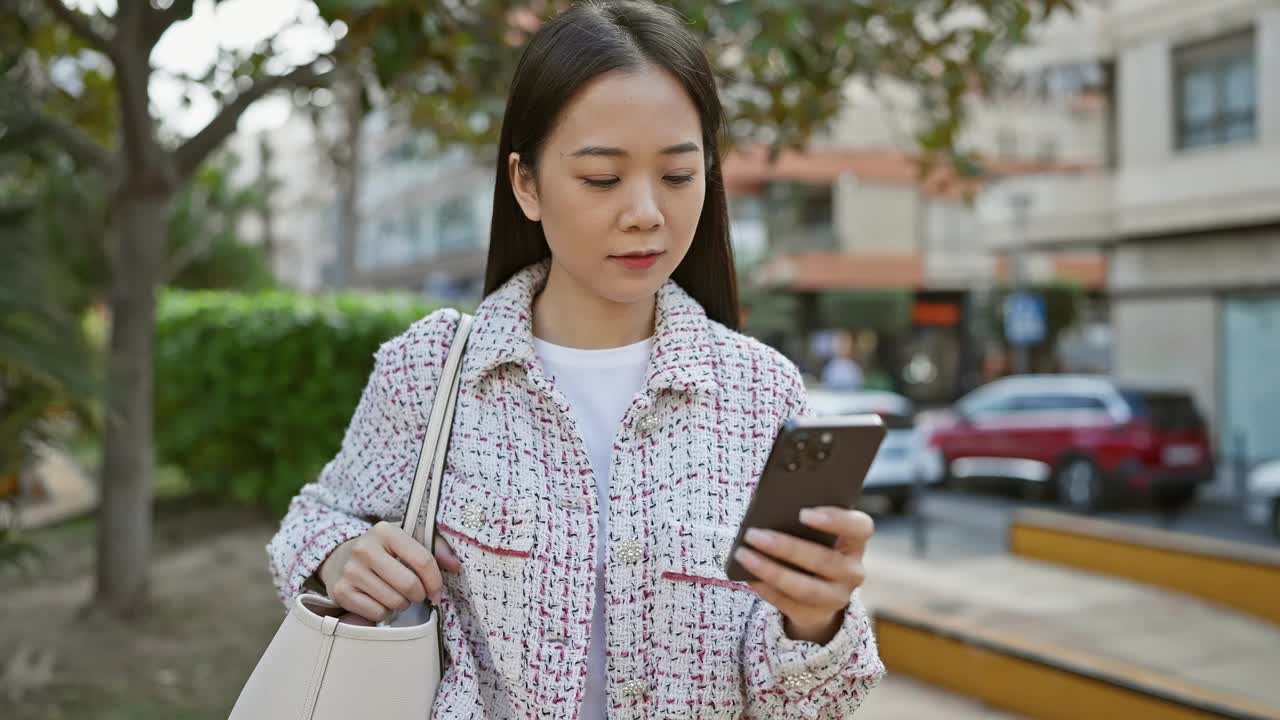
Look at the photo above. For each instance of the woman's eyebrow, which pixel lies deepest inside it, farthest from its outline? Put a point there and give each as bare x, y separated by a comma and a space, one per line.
603, 151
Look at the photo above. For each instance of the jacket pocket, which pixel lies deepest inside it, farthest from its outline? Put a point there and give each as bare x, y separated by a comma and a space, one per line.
698, 554
493, 534
698, 672
487, 522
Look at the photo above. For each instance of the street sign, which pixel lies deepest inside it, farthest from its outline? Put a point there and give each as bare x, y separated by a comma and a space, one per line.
1024, 318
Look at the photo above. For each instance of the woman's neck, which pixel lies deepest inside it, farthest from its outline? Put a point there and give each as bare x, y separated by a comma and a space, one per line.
566, 313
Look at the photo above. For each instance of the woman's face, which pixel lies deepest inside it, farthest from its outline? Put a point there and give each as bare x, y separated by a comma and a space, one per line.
620, 184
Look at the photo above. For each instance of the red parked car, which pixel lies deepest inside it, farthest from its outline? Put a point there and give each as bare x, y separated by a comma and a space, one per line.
1086, 440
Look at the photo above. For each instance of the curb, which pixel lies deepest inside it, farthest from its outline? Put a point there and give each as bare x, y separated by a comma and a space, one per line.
1040, 680
1238, 575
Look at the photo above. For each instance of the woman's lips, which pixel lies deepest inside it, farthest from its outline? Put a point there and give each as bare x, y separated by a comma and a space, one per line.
637, 262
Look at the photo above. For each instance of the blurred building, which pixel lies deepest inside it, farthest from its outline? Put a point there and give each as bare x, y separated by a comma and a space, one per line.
1189, 211
851, 213
424, 214
302, 223
421, 212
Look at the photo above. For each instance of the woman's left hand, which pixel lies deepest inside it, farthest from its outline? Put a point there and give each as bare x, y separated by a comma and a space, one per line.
813, 603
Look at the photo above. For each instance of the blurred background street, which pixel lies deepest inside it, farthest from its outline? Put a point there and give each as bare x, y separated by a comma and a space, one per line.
1039, 238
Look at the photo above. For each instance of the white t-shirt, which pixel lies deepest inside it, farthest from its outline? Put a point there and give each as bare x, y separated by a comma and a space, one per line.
599, 385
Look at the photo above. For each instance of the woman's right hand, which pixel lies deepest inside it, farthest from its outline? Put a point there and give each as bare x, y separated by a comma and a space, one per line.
385, 570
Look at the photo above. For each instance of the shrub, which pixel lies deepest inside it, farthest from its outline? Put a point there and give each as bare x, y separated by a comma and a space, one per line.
254, 391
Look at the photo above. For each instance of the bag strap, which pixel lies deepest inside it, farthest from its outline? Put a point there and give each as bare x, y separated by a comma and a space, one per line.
427, 476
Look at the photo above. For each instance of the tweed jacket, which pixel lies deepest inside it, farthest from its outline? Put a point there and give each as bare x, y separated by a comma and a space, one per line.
518, 505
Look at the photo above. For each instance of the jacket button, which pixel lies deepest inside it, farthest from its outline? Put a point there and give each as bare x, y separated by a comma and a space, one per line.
798, 682
648, 424
635, 688
631, 551
473, 517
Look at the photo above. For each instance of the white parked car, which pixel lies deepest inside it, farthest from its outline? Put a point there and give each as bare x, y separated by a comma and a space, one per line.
1264, 496
897, 463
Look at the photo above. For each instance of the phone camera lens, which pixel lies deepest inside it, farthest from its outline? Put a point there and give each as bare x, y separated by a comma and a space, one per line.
822, 455
792, 466
826, 438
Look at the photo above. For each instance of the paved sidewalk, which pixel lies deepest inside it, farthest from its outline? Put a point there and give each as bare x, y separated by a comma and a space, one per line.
1178, 636
898, 697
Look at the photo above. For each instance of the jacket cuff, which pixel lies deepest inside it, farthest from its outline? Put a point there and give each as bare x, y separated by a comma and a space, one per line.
798, 668
315, 547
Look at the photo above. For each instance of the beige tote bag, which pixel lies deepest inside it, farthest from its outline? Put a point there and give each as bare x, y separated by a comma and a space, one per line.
318, 669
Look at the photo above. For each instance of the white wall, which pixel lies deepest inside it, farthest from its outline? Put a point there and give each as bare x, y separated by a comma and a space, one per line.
956, 253
1237, 259
1169, 341
1145, 113
1076, 136
883, 117
1130, 23
877, 219
887, 116
1268, 39
1062, 209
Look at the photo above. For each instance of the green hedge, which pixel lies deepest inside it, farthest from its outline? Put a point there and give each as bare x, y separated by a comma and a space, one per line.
253, 392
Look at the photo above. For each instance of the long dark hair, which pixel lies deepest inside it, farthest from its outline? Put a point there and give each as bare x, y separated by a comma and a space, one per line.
588, 39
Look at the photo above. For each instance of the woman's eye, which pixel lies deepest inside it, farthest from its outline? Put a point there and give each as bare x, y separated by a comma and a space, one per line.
679, 179
601, 183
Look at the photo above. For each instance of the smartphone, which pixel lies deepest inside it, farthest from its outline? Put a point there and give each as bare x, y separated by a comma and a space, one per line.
815, 461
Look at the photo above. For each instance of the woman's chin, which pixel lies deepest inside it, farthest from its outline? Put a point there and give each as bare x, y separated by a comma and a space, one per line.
630, 288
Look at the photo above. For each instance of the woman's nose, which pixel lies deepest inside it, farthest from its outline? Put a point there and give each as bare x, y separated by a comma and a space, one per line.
642, 211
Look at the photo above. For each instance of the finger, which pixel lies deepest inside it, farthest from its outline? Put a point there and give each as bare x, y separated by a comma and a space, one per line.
353, 600
366, 581
415, 555
815, 591
396, 574
852, 527
372, 556
811, 556
787, 605
445, 556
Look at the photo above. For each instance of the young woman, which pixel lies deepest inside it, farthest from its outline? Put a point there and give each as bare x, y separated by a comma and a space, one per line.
609, 432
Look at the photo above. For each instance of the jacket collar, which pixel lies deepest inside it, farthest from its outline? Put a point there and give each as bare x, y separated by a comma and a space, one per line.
683, 350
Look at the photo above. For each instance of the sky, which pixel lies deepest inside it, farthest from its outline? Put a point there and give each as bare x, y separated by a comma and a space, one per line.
191, 47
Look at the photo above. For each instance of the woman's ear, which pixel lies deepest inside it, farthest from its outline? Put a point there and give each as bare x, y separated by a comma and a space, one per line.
524, 186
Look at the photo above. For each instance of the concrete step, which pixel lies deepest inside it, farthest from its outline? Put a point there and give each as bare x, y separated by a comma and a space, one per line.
1184, 652
899, 697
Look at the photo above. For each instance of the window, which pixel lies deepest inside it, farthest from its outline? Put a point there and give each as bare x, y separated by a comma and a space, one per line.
1216, 89
1058, 401
815, 207
805, 215
985, 404
1166, 411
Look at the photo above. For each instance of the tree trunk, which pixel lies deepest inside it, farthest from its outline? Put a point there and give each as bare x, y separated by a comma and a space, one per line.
124, 519
348, 159
266, 211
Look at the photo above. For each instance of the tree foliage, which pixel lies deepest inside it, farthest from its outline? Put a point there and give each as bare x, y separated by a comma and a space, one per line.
81, 79
783, 65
